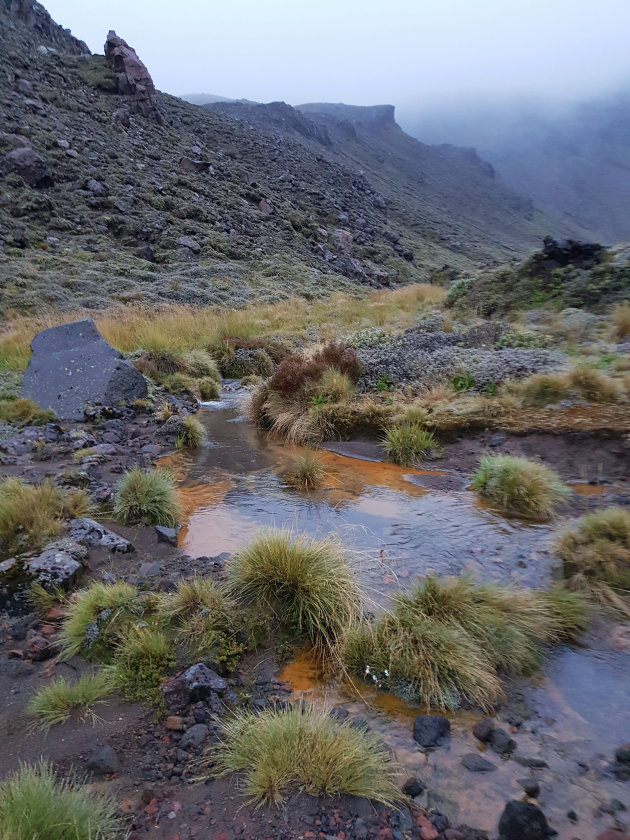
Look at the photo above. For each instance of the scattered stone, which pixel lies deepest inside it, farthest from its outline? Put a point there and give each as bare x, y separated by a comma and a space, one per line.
149, 569
530, 786
482, 730
190, 243
431, 731
622, 754
72, 366
523, 821
93, 534
413, 787
38, 647
176, 723
194, 737
29, 165
196, 683
103, 761
501, 742
166, 535
477, 763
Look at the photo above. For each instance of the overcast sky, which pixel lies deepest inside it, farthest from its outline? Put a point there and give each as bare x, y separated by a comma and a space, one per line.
363, 51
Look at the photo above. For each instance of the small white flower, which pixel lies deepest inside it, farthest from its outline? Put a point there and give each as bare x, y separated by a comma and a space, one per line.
386, 672
367, 669
374, 678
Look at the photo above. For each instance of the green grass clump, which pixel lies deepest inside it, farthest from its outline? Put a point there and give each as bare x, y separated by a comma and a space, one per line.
620, 319
204, 618
596, 555
406, 443
519, 487
542, 389
308, 473
25, 411
445, 642
54, 702
308, 586
209, 389
191, 434
200, 365
77, 504
35, 805
147, 497
334, 385
97, 617
284, 751
592, 385
177, 382
143, 657
30, 515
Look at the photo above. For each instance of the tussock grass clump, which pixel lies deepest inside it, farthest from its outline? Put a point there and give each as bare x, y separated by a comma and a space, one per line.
334, 385
204, 618
35, 805
77, 504
519, 487
96, 618
143, 656
308, 473
596, 555
592, 384
406, 443
306, 585
200, 365
446, 641
282, 751
54, 702
209, 389
26, 411
29, 515
620, 318
147, 497
191, 434
541, 389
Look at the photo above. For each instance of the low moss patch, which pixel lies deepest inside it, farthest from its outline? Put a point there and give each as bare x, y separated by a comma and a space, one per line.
25, 411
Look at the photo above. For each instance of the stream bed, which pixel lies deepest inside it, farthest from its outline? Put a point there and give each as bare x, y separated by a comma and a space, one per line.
571, 715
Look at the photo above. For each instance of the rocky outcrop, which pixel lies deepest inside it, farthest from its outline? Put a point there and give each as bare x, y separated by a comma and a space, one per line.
72, 366
34, 16
134, 80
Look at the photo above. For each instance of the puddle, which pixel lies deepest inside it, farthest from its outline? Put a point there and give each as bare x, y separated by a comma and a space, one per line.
577, 709
237, 485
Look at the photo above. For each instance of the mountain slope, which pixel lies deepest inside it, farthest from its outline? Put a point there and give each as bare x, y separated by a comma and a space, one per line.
112, 191
572, 161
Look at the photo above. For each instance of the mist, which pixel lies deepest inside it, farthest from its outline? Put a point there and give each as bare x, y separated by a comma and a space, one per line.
408, 53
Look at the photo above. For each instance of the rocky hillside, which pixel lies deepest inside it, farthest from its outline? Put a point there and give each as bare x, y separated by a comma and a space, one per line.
112, 191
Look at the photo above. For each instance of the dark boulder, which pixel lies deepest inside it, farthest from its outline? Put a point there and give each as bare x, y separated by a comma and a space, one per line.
197, 683
72, 365
482, 730
29, 165
431, 730
523, 821
501, 742
477, 763
103, 761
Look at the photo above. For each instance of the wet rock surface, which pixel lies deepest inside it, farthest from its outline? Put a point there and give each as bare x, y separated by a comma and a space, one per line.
431, 731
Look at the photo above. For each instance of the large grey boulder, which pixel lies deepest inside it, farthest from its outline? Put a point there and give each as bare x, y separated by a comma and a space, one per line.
72, 365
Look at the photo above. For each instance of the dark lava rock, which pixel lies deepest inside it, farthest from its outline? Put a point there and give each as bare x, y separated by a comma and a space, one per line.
477, 763
134, 80
482, 730
93, 534
194, 737
501, 742
103, 761
60, 564
72, 365
31, 166
38, 647
413, 787
196, 683
431, 730
166, 535
523, 821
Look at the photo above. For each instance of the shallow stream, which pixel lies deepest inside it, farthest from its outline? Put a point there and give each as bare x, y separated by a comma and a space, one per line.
575, 711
